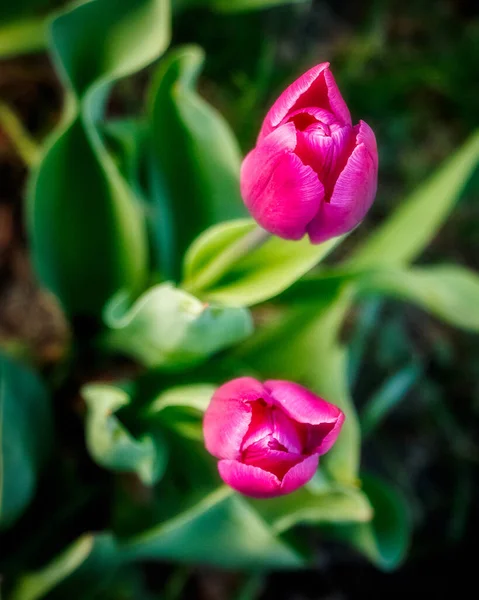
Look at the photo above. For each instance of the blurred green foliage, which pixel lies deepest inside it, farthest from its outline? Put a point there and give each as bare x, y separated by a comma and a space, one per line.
120, 207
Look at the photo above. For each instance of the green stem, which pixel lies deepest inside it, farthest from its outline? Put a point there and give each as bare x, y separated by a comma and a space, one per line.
24, 145
23, 37
227, 259
251, 587
176, 583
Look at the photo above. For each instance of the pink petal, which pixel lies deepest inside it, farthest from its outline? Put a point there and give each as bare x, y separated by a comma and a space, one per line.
249, 480
326, 154
299, 474
353, 192
316, 88
281, 193
286, 432
261, 424
228, 416
269, 459
365, 135
300, 404
320, 440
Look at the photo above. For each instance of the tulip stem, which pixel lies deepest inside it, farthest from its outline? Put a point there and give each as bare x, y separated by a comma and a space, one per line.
227, 259
21, 140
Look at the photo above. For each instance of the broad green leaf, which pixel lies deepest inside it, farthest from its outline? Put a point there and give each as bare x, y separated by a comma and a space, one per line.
111, 445
166, 327
388, 397
448, 292
386, 538
81, 571
333, 504
195, 154
406, 233
26, 432
87, 233
304, 347
181, 409
264, 267
223, 530
126, 140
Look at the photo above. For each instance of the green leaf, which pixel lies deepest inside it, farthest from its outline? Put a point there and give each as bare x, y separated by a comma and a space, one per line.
386, 538
111, 445
406, 233
304, 347
448, 292
222, 530
26, 432
332, 504
166, 327
196, 156
388, 397
181, 409
86, 229
126, 140
259, 274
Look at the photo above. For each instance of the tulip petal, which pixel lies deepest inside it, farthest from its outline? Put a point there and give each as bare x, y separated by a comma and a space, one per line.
286, 432
228, 416
300, 404
319, 440
365, 135
353, 192
282, 194
299, 474
249, 480
270, 459
261, 425
316, 88
326, 154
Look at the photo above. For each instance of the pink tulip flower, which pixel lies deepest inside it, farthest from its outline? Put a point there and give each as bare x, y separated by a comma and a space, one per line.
268, 436
312, 172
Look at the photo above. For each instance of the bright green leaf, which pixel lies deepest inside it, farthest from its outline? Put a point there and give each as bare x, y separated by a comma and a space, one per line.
181, 409
334, 504
25, 437
87, 233
196, 157
166, 327
386, 538
406, 233
109, 442
262, 271
448, 292
222, 530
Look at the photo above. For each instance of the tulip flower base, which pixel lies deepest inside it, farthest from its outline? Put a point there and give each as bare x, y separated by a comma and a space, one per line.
205, 381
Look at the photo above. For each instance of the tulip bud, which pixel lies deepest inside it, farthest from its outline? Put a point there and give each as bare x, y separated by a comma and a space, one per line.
311, 171
268, 436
